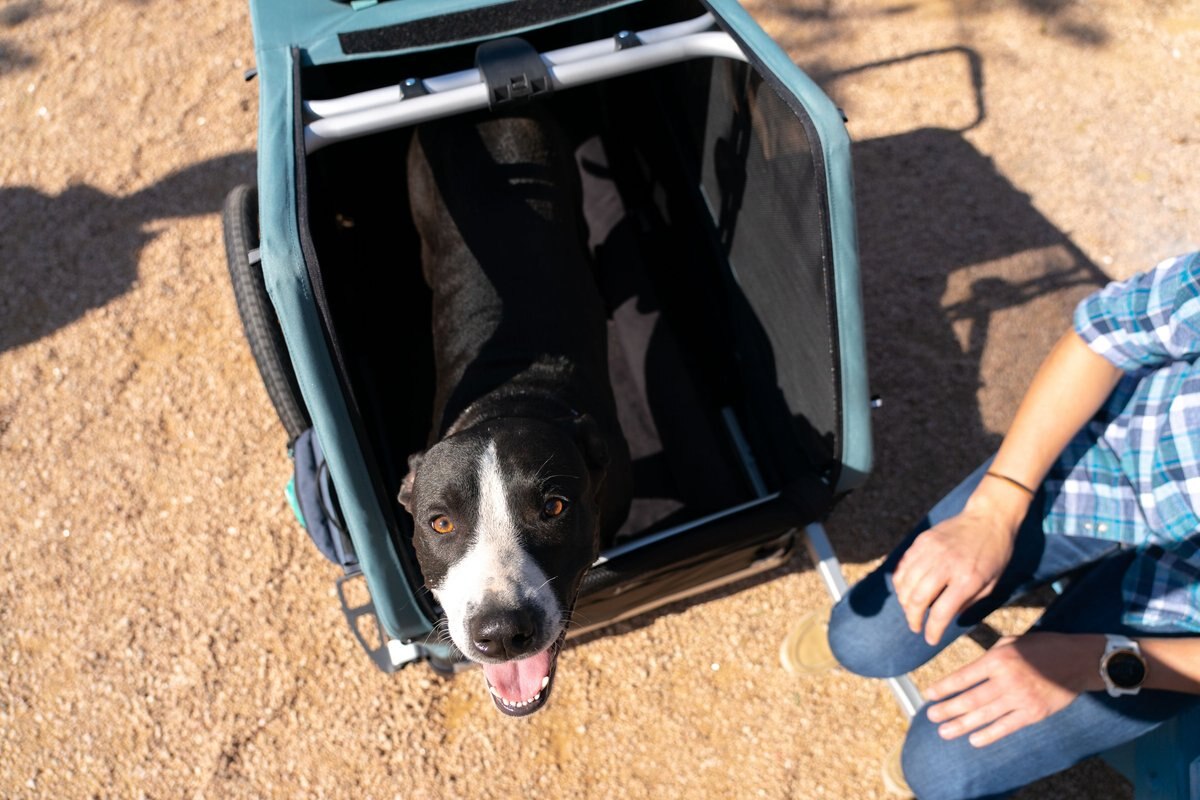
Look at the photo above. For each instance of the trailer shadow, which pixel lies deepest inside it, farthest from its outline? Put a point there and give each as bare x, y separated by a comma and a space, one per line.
821, 21
63, 255
949, 247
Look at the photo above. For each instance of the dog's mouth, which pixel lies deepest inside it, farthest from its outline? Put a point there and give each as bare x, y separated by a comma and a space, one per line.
520, 688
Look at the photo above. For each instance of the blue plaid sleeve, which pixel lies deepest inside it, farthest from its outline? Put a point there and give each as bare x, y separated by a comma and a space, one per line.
1146, 321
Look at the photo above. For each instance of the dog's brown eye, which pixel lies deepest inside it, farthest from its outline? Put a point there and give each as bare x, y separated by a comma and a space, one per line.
554, 506
442, 524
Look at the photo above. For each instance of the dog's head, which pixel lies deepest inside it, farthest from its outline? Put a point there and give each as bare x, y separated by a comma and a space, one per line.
505, 518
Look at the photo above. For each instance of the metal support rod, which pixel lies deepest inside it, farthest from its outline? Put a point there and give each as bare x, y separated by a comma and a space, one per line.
830, 570
360, 101
397, 113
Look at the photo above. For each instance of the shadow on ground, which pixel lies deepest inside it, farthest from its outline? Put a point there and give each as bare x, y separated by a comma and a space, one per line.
65, 254
13, 57
822, 21
929, 206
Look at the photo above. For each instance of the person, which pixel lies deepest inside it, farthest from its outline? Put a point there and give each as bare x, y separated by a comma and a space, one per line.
1097, 481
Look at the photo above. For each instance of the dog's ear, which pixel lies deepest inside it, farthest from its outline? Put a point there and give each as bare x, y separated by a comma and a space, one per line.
592, 444
406, 485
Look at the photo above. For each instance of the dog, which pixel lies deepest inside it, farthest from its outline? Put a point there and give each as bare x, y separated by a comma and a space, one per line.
526, 475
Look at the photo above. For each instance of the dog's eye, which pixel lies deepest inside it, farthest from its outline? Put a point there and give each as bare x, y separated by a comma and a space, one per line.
442, 524
554, 506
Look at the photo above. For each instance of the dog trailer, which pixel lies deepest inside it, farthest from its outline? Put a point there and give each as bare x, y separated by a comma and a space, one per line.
718, 192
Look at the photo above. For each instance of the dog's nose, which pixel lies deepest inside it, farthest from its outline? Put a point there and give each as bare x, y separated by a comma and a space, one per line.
505, 633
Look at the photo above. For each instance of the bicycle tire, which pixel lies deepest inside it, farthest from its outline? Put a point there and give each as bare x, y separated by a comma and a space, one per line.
239, 219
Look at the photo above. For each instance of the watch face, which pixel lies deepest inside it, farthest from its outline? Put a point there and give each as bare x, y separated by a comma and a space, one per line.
1125, 670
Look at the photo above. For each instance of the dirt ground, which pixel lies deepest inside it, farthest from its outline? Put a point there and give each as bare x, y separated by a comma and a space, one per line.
166, 630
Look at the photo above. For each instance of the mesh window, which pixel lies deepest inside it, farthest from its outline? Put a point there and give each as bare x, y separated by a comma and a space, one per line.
765, 192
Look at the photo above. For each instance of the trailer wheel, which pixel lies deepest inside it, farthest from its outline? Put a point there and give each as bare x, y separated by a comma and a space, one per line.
239, 219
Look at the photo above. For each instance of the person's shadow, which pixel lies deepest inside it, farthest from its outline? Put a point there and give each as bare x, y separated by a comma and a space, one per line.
949, 249
13, 57
62, 255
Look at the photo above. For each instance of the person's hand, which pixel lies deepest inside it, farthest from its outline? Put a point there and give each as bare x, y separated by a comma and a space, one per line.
955, 563
1018, 682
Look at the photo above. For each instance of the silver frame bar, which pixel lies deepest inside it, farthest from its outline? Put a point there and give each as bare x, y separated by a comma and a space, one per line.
387, 95
456, 93
830, 570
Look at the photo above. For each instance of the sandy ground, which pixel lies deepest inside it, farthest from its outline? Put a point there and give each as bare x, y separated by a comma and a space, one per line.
166, 631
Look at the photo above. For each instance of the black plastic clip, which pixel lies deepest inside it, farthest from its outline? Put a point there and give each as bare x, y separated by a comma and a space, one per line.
627, 39
512, 70
412, 87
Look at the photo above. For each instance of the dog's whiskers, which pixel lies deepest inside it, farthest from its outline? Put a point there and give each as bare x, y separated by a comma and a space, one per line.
440, 631
538, 474
549, 478
575, 617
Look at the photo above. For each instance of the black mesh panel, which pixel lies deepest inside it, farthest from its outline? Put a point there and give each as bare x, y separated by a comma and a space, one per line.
762, 185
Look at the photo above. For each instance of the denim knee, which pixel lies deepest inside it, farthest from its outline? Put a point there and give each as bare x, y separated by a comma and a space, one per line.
874, 641
851, 641
936, 768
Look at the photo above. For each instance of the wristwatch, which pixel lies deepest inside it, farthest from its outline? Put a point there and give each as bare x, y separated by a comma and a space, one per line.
1122, 666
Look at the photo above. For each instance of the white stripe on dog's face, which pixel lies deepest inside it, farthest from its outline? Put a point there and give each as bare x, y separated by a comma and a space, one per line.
496, 572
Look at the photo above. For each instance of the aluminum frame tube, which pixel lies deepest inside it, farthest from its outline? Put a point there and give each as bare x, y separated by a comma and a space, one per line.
414, 110
830, 570
372, 98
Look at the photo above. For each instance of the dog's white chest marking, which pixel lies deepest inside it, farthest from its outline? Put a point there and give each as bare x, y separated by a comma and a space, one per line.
496, 572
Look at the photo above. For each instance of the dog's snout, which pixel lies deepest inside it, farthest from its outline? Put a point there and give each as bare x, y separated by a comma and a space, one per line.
505, 633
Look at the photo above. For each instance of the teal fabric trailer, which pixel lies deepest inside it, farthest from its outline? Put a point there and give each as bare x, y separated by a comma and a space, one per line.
737, 339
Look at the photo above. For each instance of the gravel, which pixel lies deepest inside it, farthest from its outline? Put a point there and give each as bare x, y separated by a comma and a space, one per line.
166, 631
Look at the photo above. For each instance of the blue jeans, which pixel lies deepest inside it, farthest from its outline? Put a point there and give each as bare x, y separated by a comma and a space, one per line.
870, 636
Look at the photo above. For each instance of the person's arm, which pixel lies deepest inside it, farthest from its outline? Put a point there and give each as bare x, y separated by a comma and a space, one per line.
1024, 680
1151, 319
1171, 664
1069, 388
957, 562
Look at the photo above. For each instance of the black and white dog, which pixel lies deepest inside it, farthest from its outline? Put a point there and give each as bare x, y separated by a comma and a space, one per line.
527, 474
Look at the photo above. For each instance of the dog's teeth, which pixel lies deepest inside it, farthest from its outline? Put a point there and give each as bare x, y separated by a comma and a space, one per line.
514, 704
545, 682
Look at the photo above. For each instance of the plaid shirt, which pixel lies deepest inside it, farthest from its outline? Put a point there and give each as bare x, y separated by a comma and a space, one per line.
1133, 473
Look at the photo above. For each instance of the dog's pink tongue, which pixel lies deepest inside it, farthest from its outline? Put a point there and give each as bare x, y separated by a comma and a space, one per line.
520, 680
